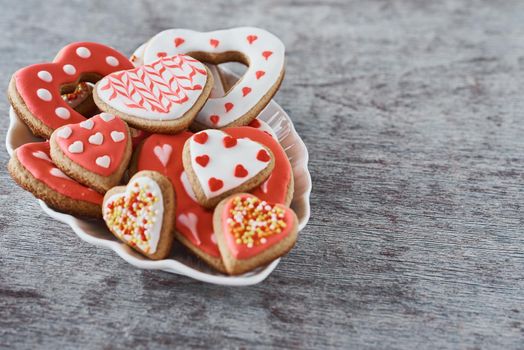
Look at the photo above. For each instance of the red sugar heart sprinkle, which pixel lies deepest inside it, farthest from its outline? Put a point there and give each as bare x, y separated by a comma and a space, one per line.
240, 171
214, 42
179, 41
214, 119
266, 54
246, 90
161, 54
251, 38
202, 160
215, 184
228, 106
229, 141
263, 156
260, 74
201, 137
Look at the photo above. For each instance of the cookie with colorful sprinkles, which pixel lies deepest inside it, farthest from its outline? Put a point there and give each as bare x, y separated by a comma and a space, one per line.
141, 214
252, 232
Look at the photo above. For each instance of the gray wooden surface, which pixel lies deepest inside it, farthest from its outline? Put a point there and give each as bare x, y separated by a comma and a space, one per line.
413, 115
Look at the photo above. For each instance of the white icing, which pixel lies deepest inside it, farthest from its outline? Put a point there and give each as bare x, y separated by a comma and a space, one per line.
187, 186
229, 40
153, 230
45, 76
112, 61
42, 155
166, 100
62, 113
96, 139
190, 221
83, 52
107, 117
64, 132
103, 161
222, 161
69, 69
44, 94
117, 136
163, 153
87, 124
58, 173
76, 147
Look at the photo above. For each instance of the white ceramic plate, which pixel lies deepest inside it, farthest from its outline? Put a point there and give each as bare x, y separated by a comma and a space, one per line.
183, 262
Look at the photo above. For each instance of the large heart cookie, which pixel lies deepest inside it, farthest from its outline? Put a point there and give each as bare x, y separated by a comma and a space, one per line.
95, 152
163, 96
252, 232
218, 164
141, 213
260, 50
35, 92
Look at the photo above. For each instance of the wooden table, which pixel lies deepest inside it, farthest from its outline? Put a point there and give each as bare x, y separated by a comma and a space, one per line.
413, 115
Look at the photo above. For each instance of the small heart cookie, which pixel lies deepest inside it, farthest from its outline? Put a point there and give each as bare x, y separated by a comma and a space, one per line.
252, 232
141, 214
164, 96
95, 152
218, 164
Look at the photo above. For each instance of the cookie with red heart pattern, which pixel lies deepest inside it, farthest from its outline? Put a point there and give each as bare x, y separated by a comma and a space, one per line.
33, 169
218, 164
163, 96
141, 214
252, 232
95, 152
36, 92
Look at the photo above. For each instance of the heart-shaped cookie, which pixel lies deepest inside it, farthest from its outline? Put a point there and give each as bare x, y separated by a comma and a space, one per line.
163, 96
141, 213
218, 164
95, 152
260, 50
35, 92
252, 232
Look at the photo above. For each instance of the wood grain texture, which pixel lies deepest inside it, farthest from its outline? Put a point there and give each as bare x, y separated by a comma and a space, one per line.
412, 112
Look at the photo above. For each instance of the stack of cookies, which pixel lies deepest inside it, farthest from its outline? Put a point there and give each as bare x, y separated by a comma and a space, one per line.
161, 146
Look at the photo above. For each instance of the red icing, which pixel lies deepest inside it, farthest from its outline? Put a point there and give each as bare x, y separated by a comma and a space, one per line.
161, 54
214, 118
275, 187
255, 123
28, 81
202, 160
240, 171
242, 251
179, 41
87, 158
201, 137
260, 74
229, 142
263, 156
251, 38
41, 170
215, 184
246, 90
266, 54
228, 106
214, 42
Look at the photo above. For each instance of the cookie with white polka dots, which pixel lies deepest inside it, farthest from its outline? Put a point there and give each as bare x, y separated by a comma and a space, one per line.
94, 152
33, 169
218, 164
141, 214
36, 91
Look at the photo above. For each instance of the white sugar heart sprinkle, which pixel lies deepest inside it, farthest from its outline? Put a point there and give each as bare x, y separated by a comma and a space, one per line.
107, 117
41, 155
58, 173
64, 132
96, 139
103, 161
87, 124
76, 147
117, 136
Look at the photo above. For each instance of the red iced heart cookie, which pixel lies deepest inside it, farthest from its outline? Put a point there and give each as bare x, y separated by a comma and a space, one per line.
35, 92
194, 226
94, 152
260, 50
163, 96
218, 165
140, 214
252, 232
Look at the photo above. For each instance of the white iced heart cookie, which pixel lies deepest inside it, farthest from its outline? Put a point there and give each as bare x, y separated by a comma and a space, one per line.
218, 165
162, 96
260, 50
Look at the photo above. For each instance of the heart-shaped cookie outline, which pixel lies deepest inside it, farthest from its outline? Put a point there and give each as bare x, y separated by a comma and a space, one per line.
244, 260
52, 79
166, 229
229, 155
103, 174
161, 101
